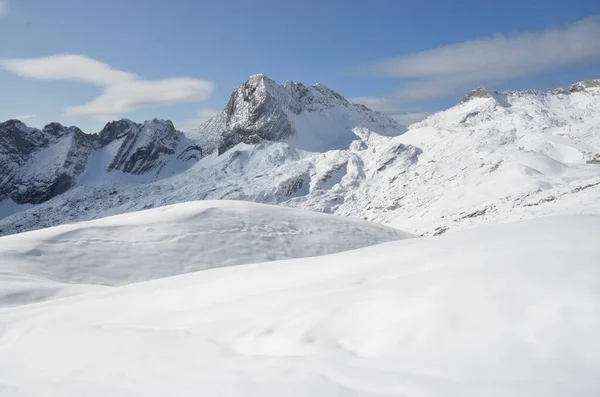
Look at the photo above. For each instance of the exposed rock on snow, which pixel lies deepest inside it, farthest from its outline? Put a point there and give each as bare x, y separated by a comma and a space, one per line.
141, 148
478, 92
583, 85
37, 165
310, 118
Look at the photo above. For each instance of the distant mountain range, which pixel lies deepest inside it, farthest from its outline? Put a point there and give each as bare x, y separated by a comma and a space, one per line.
493, 156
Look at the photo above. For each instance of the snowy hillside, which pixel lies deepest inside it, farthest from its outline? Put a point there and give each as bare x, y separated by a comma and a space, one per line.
493, 157
162, 242
500, 156
505, 310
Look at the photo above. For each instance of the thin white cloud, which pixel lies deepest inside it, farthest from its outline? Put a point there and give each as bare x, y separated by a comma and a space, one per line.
444, 70
434, 88
379, 104
393, 109
123, 92
201, 116
130, 96
67, 67
409, 118
25, 117
3, 7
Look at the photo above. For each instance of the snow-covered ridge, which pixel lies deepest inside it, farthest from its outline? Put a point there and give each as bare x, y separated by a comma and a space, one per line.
36, 165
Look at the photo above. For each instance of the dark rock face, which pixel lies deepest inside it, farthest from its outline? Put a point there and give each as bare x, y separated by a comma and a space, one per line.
253, 115
478, 92
143, 147
36, 165
193, 152
261, 110
582, 85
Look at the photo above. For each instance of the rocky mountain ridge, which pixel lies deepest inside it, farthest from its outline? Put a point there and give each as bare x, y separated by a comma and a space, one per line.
36, 165
493, 157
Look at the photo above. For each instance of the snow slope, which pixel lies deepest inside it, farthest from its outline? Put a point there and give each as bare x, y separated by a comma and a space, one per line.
503, 156
504, 310
166, 241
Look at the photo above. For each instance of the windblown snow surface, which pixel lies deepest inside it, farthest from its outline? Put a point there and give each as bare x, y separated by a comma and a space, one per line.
503, 310
166, 241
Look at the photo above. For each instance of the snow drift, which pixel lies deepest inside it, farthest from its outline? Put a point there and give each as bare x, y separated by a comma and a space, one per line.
504, 310
166, 241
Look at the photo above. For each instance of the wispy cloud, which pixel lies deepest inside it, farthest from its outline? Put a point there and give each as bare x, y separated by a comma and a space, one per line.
445, 70
133, 95
123, 92
67, 67
409, 118
25, 117
393, 109
380, 104
3, 7
201, 116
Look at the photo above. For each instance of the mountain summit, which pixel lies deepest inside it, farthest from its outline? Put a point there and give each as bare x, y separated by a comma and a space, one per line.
313, 118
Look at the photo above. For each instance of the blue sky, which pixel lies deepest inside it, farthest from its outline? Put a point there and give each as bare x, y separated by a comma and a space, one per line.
85, 62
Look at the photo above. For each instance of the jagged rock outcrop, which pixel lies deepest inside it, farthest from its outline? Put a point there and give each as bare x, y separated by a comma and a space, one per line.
479, 92
142, 148
311, 118
36, 165
583, 85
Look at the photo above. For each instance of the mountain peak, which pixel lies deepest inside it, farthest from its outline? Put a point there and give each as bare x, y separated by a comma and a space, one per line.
142, 147
313, 118
158, 123
585, 84
58, 130
479, 92
13, 125
258, 77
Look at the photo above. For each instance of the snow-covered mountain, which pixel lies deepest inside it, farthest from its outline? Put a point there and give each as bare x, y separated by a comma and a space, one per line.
36, 165
492, 157
260, 112
313, 118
